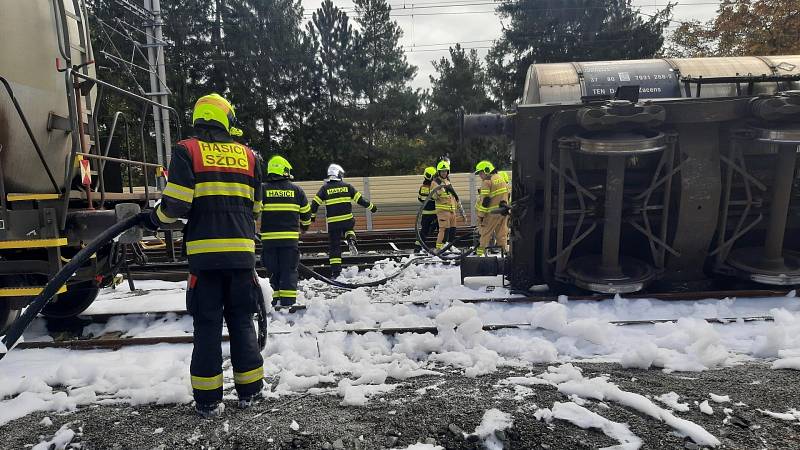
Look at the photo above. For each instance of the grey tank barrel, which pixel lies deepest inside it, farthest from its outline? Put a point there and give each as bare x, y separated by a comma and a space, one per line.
486, 125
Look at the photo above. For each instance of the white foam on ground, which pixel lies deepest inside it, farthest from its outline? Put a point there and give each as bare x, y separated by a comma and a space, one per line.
493, 420
583, 418
308, 356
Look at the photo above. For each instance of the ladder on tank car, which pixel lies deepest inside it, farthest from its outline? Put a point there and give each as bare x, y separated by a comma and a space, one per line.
77, 55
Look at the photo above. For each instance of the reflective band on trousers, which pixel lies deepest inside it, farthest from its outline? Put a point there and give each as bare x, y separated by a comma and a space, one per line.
178, 192
286, 293
292, 207
280, 235
220, 245
336, 201
428, 211
340, 218
251, 376
336, 260
207, 383
224, 189
445, 207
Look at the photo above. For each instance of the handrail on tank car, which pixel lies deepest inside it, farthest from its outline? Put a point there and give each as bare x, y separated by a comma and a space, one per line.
27, 126
69, 72
750, 80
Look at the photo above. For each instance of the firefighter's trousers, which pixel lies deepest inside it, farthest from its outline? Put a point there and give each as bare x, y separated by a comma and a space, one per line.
447, 227
493, 226
427, 224
231, 294
281, 264
335, 238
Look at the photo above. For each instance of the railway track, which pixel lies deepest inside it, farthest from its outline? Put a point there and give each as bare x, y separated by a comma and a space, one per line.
314, 243
178, 270
115, 342
119, 342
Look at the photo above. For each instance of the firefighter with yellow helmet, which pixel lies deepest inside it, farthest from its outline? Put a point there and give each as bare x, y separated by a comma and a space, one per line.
493, 195
446, 203
215, 183
285, 213
428, 220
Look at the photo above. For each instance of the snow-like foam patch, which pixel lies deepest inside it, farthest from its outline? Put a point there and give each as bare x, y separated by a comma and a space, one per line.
493, 420
583, 418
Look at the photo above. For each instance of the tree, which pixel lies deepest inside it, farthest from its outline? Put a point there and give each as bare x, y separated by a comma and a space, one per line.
742, 27
460, 84
263, 50
390, 109
547, 31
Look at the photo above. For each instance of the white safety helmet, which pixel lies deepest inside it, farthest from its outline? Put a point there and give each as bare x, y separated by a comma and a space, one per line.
335, 171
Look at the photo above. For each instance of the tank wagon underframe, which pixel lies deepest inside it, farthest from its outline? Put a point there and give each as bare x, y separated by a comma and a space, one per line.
613, 201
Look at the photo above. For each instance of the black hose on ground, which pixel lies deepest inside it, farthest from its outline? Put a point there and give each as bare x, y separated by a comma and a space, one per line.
54, 285
307, 270
441, 253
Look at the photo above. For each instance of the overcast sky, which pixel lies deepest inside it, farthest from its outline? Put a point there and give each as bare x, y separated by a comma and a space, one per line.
431, 26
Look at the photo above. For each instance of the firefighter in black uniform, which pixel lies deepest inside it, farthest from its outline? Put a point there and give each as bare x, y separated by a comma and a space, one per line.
285, 212
215, 183
337, 197
428, 221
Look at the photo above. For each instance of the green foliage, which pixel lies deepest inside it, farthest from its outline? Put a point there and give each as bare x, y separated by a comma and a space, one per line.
460, 84
337, 88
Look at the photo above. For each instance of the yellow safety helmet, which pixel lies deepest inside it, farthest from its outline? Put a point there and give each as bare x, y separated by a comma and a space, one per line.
429, 173
443, 166
485, 167
213, 109
279, 165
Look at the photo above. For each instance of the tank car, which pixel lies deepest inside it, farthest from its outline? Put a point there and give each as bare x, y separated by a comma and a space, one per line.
654, 175
48, 138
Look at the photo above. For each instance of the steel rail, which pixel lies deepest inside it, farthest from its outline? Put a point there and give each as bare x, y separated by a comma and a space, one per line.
116, 343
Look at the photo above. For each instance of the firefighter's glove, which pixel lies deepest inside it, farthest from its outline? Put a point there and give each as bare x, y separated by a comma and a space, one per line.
373, 208
148, 220
504, 209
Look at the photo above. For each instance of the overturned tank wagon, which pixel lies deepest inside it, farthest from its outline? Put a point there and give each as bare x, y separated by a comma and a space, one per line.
653, 175
59, 184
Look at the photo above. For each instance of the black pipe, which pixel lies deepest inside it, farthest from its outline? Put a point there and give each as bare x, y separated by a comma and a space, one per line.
30, 133
60, 278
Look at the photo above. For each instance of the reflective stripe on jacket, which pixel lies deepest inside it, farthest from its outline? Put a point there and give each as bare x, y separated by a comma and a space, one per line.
424, 190
445, 201
215, 184
285, 210
337, 197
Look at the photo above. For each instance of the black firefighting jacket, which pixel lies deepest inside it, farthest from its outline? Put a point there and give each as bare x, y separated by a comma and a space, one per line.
215, 183
424, 190
284, 212
337, 197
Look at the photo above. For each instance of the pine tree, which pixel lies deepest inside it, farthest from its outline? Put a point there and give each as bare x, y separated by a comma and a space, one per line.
381, 76
460, 84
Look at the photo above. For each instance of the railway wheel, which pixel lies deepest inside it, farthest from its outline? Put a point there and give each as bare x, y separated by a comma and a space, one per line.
8, 314
73, 302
